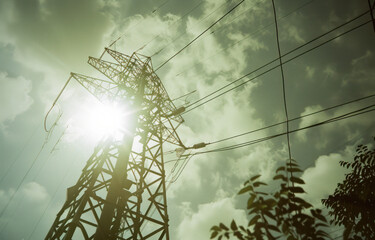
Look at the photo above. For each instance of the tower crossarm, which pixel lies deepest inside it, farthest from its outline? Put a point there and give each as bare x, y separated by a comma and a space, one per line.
103, 90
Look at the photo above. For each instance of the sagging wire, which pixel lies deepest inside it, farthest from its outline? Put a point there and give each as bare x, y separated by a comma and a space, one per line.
33, 180
197, 37
53, 105
46, 140
110, 45
54, 148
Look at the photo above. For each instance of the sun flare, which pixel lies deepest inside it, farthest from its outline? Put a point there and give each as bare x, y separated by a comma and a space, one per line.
98, 121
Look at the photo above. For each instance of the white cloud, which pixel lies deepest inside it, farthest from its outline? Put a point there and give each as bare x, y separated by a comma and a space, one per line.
196, 225
310, 71
364, 57
302, 135
322, 179
261, 159
35, 192
295, 34
14, 97
347, 128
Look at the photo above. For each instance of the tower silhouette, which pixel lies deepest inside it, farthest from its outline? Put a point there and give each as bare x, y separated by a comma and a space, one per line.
121, 193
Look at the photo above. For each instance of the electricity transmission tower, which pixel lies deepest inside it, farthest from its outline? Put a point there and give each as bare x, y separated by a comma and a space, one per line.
121, 193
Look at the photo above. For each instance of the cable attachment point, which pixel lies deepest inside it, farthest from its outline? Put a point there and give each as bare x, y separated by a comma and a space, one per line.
178, 111
198, 145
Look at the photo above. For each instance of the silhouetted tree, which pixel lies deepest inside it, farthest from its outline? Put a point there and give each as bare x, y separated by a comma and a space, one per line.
353, 202
273, 215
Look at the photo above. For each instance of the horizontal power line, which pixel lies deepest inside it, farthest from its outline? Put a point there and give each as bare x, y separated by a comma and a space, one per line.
350, 114
269, 63
293, 119
330, 120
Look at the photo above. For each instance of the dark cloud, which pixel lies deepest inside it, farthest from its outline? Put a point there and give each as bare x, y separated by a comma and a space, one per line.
43, 39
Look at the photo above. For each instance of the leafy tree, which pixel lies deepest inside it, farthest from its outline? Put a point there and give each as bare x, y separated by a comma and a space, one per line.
353, 202
273, 215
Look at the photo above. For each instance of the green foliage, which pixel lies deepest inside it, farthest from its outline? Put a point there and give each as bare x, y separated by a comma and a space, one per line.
278, 214
353, 202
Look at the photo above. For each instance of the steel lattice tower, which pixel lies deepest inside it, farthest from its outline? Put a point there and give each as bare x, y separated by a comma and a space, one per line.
121, 193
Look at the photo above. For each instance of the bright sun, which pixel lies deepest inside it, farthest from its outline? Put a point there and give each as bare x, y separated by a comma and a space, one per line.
107, 120
98, 120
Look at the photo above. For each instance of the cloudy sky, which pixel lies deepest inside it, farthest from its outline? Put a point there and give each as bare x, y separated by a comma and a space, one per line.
42, 41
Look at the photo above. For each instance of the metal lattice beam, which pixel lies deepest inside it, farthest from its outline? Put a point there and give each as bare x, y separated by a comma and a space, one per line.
121, 193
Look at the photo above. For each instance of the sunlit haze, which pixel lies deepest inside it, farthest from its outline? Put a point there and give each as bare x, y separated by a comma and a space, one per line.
97, 120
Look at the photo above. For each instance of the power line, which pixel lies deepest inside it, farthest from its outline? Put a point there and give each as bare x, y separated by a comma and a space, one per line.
330, 120
175, 39
293, 119
285, 54
350, 114
160, 6
246, 75
296, 9
49, 203
282, 80
18, 156
249, 35
182, 17
48, 135
160, 66
283, 122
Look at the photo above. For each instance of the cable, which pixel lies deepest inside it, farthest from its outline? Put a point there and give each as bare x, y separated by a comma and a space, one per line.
333, 119
284, 55
49, 132
246, 37
293, 119
160, 6
184, 95
49, 203
182, 17
54, 103
296, 9
246, 75
18, 156
283, 88
175, 39
178, 52
350, 114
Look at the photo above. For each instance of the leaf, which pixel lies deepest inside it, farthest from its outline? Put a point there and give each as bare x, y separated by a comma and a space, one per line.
222, 226
297, 180
280, 169
291, 238
292, 164
261, 193
233, 225
296, 189
285, 228
274, 228
257, 184
268, 214
317, 214
214, 234
255, 177
253, 220
215, 228
250, 201
280, 176
294, 170
245, 189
